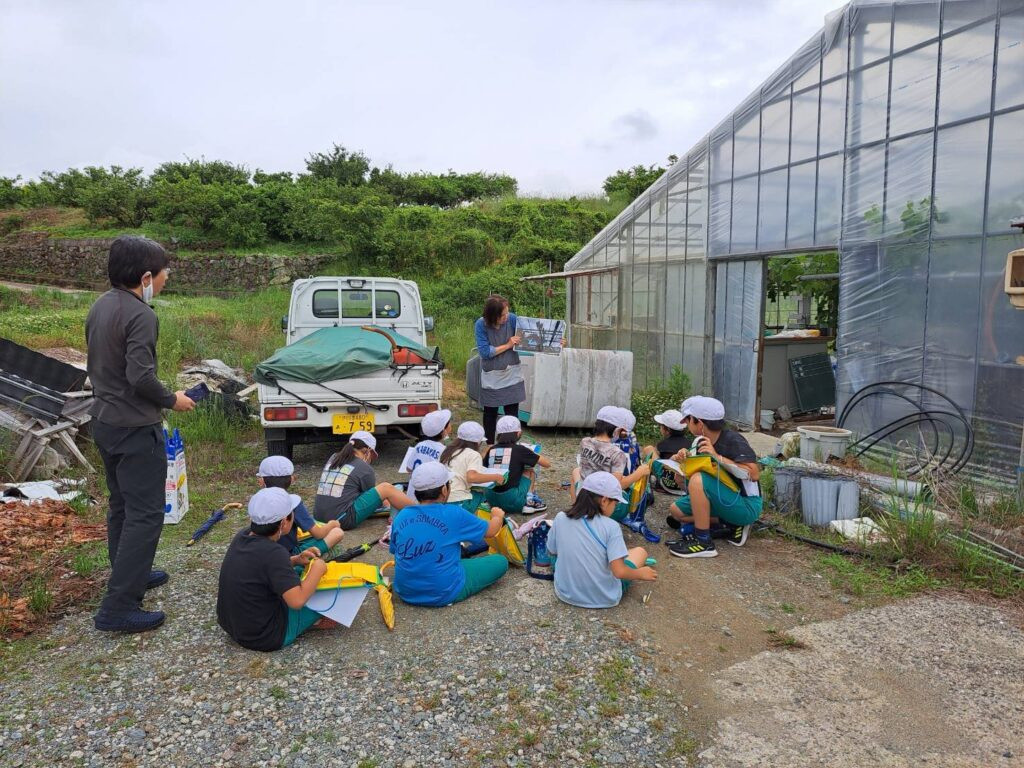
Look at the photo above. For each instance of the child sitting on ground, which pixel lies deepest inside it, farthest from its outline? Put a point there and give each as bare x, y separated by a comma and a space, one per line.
518, 461
673, 435
348, 491
593, 566
260, 598
434, 428
279, 472
426, 543
463, 458
599, 453
708, 498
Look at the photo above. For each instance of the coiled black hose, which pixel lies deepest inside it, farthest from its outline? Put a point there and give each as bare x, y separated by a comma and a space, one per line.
953, 421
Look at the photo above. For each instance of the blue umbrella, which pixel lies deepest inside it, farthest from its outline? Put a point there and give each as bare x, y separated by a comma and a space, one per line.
215, 518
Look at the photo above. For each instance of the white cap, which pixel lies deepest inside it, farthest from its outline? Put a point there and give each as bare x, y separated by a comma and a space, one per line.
471, 431
433, 423
270, 505
671, 419
628, 419
613, 415
276, 466
603, 484
684, 407
366, 437
432, 474
508, 424
706, 409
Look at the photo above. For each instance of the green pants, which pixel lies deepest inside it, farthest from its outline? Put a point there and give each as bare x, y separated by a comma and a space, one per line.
511, 500
727, 505
365, 505
472, 504
310, 543
481, 572
621, 509
298, 622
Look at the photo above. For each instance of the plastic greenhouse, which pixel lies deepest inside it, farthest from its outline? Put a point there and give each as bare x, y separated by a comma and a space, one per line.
896, 137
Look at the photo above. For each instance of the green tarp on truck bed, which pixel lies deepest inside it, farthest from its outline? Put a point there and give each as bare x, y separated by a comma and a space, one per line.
337, 353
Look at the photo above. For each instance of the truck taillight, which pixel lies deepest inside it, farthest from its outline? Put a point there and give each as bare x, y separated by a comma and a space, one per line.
416, 409
284, 414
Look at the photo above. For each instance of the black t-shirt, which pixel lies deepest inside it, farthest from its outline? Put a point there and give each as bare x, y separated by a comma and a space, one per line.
734, 446
671, 445
513, 459
255, 573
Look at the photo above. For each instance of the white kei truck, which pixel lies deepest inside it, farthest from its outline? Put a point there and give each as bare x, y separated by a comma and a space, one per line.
355, 358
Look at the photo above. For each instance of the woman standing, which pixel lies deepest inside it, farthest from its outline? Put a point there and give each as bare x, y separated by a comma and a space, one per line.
501, 378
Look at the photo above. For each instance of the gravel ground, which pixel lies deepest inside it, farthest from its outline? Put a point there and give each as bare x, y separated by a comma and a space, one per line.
514, 677
935, 681
509, 677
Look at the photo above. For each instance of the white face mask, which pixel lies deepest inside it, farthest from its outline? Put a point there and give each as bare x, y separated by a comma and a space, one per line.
147, 290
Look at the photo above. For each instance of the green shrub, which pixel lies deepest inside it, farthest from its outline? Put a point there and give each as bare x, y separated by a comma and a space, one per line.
123, 196
659, 396
9, 195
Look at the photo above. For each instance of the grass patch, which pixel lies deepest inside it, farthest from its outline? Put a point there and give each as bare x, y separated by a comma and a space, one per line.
40, 598
780, 639
613, 677
279, 693
873, 581
683, 746
999, 510
455, 336
89, 559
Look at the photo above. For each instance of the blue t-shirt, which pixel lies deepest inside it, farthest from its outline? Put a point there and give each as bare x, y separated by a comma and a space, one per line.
303, 520
583, 575
425, 541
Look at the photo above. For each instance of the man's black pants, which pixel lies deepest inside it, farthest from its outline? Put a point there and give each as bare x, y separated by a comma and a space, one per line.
136, 464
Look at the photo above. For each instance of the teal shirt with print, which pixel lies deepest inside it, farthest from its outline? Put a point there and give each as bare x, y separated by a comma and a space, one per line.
426, 543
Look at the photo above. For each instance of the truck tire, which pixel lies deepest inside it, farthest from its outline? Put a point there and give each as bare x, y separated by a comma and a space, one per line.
279, 448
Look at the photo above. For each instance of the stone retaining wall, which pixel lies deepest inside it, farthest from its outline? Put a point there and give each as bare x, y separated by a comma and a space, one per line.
82, 263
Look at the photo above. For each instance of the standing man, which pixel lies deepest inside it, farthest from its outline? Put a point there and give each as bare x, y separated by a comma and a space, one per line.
121, 332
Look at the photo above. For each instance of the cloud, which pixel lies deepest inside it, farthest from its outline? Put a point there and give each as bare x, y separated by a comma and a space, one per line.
637, 125
557, 94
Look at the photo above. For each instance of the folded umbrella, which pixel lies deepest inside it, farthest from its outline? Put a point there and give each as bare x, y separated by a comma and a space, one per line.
215, 518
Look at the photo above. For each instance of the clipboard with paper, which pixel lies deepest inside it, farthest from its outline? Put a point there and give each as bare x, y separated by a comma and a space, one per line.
340, 592
726, 474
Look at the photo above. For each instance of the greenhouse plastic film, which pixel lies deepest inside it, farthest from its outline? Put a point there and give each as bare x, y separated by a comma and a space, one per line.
919, 281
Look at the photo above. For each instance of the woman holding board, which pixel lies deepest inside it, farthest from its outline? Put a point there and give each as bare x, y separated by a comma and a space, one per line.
501, 377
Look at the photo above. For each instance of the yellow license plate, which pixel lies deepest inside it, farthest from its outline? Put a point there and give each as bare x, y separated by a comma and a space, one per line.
347, 423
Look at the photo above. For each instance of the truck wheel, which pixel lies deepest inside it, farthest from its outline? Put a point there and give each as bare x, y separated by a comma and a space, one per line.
279, 448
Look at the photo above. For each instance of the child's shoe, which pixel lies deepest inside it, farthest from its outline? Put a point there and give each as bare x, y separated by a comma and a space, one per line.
691, 546
534, 504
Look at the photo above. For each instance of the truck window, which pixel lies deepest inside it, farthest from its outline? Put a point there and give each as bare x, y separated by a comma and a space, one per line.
356, 304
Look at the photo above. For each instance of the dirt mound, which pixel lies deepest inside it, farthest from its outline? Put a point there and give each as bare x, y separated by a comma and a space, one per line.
37, 574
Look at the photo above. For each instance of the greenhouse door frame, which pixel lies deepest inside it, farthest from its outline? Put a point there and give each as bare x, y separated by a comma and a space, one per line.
750, 348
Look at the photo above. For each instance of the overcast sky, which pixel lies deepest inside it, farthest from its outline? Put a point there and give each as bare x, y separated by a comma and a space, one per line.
558, 94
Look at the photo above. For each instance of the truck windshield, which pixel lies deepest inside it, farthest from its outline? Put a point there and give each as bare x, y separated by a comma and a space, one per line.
355, 304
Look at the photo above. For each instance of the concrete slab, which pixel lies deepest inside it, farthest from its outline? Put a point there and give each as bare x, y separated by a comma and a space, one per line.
934, 681
762, 443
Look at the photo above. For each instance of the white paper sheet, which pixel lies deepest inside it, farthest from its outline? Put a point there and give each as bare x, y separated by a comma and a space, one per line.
343, 609
407, 461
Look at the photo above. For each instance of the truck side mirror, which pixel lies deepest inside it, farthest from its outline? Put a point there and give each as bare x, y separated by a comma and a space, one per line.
428, 324
284, 323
